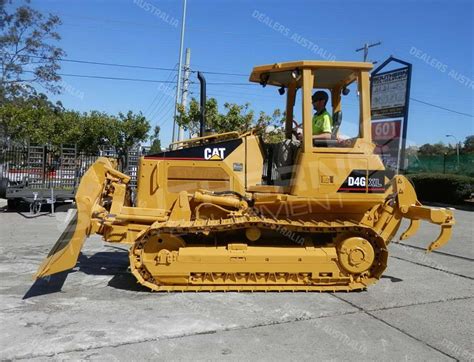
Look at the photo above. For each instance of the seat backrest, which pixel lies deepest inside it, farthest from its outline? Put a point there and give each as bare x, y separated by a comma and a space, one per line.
284, 157
336, 123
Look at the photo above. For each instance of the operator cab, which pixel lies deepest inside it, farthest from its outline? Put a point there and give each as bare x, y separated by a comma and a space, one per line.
347, 87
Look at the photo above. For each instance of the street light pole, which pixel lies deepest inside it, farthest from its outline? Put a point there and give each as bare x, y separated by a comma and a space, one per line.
178, 85
457, 146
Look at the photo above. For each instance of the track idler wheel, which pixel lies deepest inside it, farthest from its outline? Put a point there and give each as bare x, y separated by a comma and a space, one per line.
356, 254
152, 252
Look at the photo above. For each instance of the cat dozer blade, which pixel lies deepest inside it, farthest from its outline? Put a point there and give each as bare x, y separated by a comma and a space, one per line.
65, 252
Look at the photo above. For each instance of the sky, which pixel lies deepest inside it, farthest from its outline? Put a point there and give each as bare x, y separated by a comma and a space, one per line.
232, 37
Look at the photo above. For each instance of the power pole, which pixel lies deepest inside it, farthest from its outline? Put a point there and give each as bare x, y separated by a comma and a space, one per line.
366, 47
178, 85
184, 97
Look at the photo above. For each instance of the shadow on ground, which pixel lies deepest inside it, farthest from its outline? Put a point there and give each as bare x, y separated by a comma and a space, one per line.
114, 263
47, 285
392, 279
23, 209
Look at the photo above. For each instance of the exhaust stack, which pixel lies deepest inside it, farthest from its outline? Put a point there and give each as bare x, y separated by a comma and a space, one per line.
202, 80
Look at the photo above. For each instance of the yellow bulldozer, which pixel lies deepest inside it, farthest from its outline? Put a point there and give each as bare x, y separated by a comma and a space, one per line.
218, 213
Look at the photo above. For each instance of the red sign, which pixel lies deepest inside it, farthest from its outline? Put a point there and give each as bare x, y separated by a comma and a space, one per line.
385, 130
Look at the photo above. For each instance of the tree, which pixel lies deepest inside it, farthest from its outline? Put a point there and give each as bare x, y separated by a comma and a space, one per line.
98, 130
155, 141
39, 121
28, 54
468, 144
433, 150
32, 120
271, 127
131, 129
411, 151
236, 117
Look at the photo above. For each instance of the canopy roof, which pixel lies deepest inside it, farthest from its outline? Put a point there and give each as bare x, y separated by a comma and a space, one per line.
327, 74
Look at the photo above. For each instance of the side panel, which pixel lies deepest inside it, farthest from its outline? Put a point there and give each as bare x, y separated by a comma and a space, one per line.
160, 181
336, 179
222, 166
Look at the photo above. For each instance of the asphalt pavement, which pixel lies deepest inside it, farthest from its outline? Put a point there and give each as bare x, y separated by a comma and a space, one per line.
421, 309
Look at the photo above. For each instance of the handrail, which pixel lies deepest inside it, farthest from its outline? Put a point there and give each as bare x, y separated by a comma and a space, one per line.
197, 139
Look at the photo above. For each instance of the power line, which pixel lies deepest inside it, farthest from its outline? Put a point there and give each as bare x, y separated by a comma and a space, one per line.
165, 117
221, 83
223, 73
227, 83
80, 61
134, 66
164, 114
108, 78
161, 92
168, 103
162, 104
134, 79
159, 98
443, 108
167, 97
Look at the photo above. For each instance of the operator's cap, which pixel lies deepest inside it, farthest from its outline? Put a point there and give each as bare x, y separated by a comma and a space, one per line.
320, 95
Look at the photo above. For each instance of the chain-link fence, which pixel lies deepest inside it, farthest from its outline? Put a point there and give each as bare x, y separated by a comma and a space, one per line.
448, 164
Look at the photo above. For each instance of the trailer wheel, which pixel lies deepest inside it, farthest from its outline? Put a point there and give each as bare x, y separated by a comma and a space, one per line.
3, 188
12, 204
35, 207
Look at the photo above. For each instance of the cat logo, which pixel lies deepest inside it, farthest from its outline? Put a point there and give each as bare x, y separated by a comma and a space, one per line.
214, 153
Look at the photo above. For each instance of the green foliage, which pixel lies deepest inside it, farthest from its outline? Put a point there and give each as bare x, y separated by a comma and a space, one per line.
28, 53
271, 127
433, 149
29, 58
33, 119
155, 141
130, 129
97, 130
468, 144
37, 120
411, 151
451, 189
235, 117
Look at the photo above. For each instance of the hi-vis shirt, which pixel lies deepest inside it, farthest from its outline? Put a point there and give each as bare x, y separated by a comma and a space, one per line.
322, 123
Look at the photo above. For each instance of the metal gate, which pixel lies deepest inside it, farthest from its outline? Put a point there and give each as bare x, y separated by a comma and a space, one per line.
40, 167
39, 174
